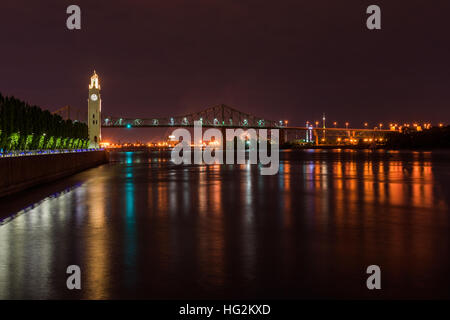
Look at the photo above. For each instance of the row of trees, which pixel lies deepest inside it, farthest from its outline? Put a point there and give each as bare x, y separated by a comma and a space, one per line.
24, 127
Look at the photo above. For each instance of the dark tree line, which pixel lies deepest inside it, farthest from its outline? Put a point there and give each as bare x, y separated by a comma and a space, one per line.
433, 138
24, 127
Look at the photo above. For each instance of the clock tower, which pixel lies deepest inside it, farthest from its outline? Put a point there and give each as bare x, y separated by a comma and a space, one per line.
94, 112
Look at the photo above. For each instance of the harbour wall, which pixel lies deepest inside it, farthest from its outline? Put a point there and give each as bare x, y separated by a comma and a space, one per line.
20, 173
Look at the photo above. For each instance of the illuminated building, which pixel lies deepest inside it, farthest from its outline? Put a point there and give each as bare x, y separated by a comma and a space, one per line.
94, 112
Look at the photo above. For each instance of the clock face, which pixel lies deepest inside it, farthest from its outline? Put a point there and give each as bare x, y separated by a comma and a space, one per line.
94, 97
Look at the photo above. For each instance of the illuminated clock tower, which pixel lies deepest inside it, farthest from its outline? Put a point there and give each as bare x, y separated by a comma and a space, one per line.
94, 112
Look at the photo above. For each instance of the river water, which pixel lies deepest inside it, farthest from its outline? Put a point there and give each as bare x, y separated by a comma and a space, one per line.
142, 227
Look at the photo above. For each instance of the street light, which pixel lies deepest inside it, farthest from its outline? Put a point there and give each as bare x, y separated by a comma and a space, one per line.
365, 124
335, 124
346, 125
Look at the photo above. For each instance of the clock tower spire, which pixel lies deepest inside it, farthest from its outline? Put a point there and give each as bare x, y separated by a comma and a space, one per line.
94, 112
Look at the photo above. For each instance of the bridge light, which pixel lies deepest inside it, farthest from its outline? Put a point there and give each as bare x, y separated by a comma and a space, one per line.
128, 126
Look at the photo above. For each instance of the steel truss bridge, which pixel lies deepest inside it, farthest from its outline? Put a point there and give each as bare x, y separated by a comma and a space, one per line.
217, 116
222, 116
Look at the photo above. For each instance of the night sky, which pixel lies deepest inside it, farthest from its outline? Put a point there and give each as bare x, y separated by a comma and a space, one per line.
279, 59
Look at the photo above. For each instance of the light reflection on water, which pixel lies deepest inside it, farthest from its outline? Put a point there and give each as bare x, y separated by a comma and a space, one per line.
141, 227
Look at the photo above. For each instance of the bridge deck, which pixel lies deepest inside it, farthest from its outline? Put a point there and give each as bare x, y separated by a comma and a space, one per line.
243, 127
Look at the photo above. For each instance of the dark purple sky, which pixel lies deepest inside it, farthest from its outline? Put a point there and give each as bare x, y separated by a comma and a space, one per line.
277, 59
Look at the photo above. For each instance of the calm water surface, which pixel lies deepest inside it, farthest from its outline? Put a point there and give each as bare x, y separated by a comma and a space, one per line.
141, 227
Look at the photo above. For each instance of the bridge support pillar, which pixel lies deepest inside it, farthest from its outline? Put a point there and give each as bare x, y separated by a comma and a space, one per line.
283, 136
316, 136
224, 140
